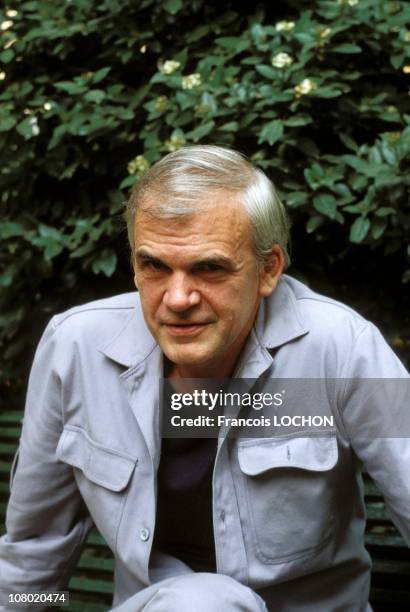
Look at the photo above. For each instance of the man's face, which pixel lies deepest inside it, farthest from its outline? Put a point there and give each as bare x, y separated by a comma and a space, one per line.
200, 285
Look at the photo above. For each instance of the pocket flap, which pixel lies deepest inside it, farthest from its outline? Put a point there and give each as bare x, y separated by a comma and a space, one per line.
258, 456
104, 466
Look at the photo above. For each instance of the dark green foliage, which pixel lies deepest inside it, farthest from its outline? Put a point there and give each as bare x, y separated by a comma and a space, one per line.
316, 93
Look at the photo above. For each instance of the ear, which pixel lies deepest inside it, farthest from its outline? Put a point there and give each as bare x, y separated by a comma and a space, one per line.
271, 271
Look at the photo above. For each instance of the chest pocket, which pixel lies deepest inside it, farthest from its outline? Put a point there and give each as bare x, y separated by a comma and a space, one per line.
288, 484
102, 476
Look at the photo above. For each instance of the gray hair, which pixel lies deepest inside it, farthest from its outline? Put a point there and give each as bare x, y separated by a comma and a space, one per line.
175, 186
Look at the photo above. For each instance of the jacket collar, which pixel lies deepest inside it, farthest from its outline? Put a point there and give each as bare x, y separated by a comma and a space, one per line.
279, 318
278, 322
133, 342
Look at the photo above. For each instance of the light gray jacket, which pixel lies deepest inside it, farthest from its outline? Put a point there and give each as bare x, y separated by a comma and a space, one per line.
290, 525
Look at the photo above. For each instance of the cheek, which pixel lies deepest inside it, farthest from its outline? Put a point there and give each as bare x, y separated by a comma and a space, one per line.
151, 298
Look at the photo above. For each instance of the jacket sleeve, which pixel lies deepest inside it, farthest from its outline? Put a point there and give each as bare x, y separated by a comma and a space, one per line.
46, 520
375, 410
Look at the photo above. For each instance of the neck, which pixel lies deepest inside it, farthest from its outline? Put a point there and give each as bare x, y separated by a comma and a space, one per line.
181, 371
225, 369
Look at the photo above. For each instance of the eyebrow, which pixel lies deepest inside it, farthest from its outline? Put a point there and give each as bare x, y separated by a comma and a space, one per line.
215, 260
145, 257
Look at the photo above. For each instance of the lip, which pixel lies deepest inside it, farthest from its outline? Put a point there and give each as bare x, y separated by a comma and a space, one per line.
185, 330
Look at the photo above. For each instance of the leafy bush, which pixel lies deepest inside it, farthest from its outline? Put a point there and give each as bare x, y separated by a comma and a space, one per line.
91, 94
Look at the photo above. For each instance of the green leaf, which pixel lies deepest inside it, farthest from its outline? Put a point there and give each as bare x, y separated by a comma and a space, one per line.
314, 175
128, 181
359, 230
389, 153
267, 71
10, 229
397, 60
384, 211
201, 131
173, 6
355, 162
346, 48
231, 126
198, 33
326, 204
84, 249
6, 56
378, 228
313, 223
348, 142
95, 95
52, 249
100, 74
327, 92
6, 124
57, 136
105, 263
296, 198
71, 87
271, 132
28, 127
298, 120
235, 43
7, 277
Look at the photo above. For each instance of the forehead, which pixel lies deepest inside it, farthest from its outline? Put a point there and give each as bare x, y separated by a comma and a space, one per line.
221, 222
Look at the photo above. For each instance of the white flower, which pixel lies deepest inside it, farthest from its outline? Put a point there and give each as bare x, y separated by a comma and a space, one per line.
281, 60
2, 76
325, 33
406, 69
11, 13
10, 43
5, 25
35, 130
138, 165
304, 87
352, 2
161, 104
174, 143
191, 81
169, 67
47, 106
143, 49
285, 26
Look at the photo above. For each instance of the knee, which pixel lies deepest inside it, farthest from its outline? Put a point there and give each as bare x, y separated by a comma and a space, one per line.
203, 592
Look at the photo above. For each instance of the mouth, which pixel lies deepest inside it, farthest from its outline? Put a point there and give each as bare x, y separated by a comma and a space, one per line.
185, 329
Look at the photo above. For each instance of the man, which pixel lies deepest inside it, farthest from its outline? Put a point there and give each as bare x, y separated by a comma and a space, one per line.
206, 525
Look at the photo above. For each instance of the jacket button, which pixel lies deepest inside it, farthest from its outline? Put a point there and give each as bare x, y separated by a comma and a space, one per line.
144, 534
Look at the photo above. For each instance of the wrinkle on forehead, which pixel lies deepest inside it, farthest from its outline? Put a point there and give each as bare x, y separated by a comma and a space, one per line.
168, 204
223, 225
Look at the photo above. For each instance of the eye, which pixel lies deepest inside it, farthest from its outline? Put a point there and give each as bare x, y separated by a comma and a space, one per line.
209, 267
156, 265
153, 264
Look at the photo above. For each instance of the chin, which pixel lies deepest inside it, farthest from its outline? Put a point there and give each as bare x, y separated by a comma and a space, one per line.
191, 357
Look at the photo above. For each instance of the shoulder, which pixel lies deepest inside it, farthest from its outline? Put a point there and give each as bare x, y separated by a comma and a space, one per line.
99, 320
344, 335
116, 305
324, 313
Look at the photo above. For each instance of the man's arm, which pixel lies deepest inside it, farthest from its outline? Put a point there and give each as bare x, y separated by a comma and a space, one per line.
375, 410
46, 520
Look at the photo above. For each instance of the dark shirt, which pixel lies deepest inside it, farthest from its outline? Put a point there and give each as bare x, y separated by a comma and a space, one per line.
184, 526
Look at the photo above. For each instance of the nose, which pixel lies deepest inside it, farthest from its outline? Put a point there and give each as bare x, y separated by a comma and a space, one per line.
180, 294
